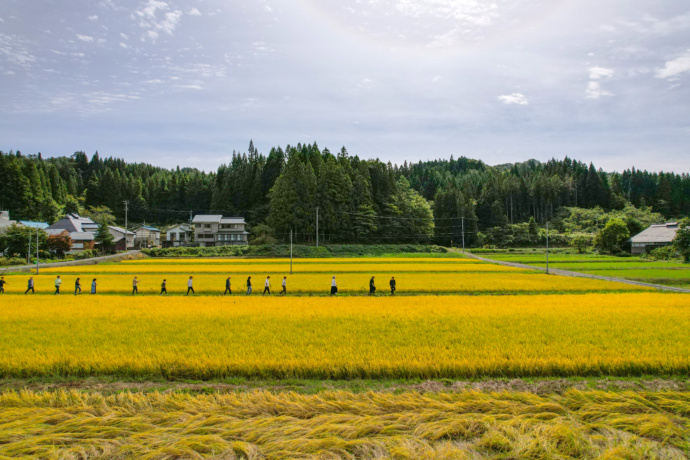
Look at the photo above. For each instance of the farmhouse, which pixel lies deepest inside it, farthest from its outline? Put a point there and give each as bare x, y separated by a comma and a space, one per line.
216, 230
123, 239
5, 220
655, 236
147, 236
81, 230
179, 235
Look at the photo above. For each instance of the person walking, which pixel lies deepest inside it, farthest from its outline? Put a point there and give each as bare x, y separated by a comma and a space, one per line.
334, 287
93, 286
2, 284
77, 286
30, 286
267, 286
164, 287
58, 283
228, 290
392, 283
135, 286
284, 285
372, 288
190, 286
249, 285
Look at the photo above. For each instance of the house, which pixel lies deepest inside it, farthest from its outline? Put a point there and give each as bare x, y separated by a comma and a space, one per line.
5, 220
656, 236
82, 231
178, 235
146, 236
216, 230
119, 233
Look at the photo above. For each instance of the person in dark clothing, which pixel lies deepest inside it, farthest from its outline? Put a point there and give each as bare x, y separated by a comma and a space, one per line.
249, 285
135, 286
93, 286
334, 287
164, 287
77, 287
227, 287
284, 285
2, 285
372, 288
392, 283
267, 286
30, 286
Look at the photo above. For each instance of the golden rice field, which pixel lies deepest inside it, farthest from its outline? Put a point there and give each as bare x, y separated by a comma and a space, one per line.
345, 338
341, 425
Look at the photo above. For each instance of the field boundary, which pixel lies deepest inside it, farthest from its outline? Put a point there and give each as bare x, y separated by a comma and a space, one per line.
557, 271
91, 261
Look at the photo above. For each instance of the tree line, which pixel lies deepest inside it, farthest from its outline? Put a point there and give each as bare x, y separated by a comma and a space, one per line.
358, 200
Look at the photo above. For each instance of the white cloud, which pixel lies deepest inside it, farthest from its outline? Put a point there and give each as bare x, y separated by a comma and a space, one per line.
515, 98
194, 12
94, 17
124, 45
594, 91
15, 50
470, 11
672, 69
599, 73
365, 83
149, 18
85, 38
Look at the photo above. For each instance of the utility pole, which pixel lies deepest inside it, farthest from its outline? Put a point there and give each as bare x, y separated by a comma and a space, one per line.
291, 251
547, 247
463, 234
28, 254
126, 209
37, 250
317, 226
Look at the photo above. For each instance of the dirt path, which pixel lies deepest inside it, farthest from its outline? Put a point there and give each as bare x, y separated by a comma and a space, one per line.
555, 271
91, 261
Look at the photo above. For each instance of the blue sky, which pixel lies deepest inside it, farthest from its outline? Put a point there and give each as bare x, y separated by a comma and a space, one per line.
188, 81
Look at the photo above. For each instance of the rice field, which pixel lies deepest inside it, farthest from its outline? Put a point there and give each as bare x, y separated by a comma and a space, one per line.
342, 425
346, 338
668, 273
491, 322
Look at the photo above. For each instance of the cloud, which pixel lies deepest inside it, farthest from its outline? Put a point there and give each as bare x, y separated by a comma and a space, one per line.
15, 50
94, 17
672, 69
194, 12
515, 98
149, 18
85, 38
599, 73
469, 11
594, 91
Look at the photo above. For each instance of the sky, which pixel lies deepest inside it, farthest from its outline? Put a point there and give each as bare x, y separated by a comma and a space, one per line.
187, 82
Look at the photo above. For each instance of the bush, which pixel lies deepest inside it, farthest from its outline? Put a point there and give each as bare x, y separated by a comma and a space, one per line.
5, 261
665, 253
283, 250
86, 254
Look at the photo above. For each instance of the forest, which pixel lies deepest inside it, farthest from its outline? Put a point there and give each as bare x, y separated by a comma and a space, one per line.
362, 201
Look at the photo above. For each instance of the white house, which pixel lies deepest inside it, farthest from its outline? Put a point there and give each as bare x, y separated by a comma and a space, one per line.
5, 220
179, 235
216, 230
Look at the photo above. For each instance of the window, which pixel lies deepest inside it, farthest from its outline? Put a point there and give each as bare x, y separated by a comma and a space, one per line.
207, 226
77, 245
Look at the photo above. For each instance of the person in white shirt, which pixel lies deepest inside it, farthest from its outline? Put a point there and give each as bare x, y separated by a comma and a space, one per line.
58, 282
334, 287
267, 286
284, 284
190, 286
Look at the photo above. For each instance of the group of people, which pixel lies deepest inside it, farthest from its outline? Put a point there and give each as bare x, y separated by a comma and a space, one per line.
190, 286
